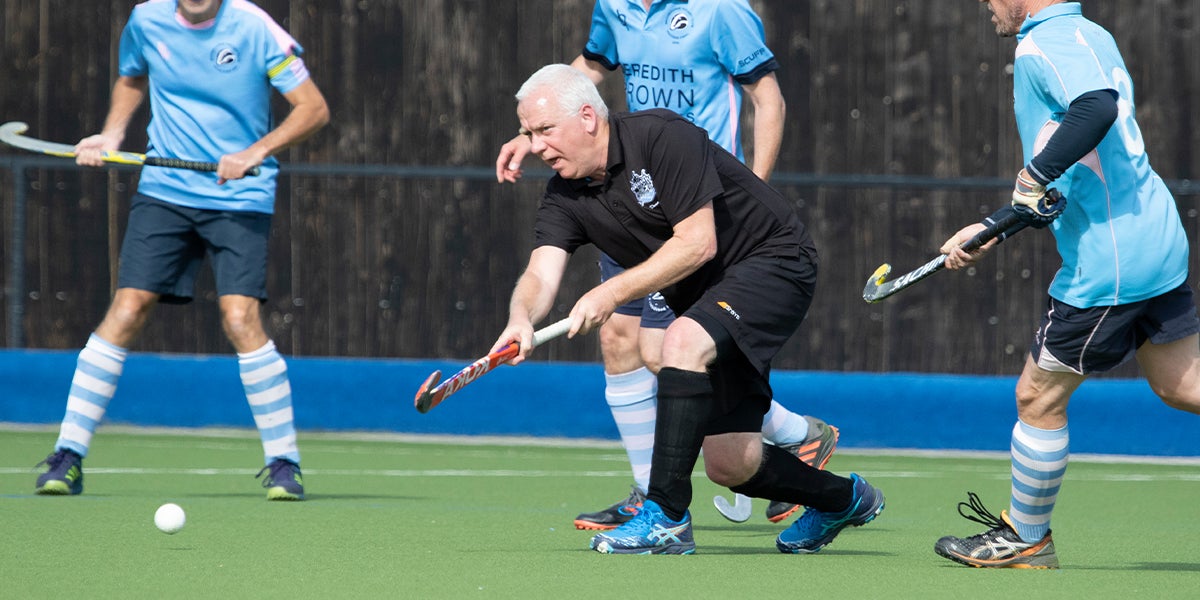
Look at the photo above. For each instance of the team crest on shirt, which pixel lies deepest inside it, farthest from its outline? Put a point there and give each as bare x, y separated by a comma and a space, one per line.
679, 23
642, 187
224, 57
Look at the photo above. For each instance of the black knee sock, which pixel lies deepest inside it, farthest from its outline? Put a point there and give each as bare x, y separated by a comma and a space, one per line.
785, 478
684, 402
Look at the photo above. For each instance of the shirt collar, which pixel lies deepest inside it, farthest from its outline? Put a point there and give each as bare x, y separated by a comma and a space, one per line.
1055, 10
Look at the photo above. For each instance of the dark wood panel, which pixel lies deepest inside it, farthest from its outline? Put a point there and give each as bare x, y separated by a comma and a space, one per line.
395, 267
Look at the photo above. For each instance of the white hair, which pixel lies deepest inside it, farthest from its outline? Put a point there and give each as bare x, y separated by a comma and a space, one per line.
571, 87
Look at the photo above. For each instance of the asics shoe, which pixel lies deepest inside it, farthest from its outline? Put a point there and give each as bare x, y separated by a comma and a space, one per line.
615, 515
64, 475
815, 529
650, 532
284, 481
815, 451
999, 547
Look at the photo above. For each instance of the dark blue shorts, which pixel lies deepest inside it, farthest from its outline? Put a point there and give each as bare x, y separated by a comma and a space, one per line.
1098, 339
165, 245
652, 309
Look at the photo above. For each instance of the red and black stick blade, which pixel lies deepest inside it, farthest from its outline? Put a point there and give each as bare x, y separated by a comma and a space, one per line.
424, 399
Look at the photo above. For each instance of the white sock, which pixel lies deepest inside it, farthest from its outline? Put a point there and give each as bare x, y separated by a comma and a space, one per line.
782, 426
1039, 460
97, 371
265, 379
633, 399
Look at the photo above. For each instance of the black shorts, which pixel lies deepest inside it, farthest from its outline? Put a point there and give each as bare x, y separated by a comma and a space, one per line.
1101, 338
750, 314
165, 245
652, 309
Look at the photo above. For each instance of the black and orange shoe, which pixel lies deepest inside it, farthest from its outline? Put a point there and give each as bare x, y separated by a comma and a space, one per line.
614, 516
999, 547
815, 451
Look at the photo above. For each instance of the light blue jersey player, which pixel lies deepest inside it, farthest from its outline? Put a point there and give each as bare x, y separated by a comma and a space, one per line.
700, 60
1120, 237
689, 57
208, 67
224, 110
1121, 292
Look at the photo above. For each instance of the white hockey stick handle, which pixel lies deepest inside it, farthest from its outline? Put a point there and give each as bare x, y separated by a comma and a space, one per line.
551, 331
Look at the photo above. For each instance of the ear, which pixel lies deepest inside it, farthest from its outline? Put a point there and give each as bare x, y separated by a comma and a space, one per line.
591, 121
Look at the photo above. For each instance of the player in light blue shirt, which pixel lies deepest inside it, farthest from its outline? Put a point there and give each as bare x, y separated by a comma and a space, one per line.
697, 59
689, 57
1121, 291
208, 67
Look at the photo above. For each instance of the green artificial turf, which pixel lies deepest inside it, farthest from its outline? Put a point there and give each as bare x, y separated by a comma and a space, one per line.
404, 518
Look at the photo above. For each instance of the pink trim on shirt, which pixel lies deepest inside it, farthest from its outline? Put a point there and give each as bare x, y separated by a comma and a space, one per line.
282, 37
734, 117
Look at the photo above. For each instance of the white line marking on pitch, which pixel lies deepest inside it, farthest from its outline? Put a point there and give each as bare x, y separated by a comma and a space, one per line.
882, 474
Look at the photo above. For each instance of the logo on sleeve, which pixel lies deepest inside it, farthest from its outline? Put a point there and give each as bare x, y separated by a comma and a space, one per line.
643, 189
224, 57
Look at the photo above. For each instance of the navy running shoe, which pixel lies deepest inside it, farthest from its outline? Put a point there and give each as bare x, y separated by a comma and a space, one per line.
63, 477
284, 481
815, 529
650, 532
614, 516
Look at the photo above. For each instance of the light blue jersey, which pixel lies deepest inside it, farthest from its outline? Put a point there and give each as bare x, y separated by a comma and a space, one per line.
684, 56
209, 96
1120, 238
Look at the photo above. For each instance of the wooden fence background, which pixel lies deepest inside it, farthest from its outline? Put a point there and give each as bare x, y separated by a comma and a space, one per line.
391, 266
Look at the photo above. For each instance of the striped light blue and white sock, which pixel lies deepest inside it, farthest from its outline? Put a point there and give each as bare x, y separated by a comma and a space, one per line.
265, 379
633, 399
96, 373
782, 426
1039, 460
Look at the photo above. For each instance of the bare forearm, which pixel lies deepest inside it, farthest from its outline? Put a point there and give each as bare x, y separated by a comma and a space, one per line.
769, 114
680, 256
309, 113
127, 95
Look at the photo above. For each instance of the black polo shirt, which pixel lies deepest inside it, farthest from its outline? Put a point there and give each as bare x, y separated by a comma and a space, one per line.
661, 170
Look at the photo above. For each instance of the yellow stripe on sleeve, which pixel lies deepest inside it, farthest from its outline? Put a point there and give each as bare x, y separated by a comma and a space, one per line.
277, 69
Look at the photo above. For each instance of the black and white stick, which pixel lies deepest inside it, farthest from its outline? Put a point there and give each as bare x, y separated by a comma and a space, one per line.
878, 287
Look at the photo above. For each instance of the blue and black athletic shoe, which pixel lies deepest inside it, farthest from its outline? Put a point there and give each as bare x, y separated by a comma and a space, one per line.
614, 516
815, 529
63, 477
650, 532
283, 482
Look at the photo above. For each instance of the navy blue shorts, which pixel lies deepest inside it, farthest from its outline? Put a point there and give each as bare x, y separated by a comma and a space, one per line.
652, 309
165, 244
1093, 340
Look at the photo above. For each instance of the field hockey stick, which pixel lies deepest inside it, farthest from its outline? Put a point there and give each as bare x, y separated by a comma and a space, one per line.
738, 512
429, 396
10, 133
877, 288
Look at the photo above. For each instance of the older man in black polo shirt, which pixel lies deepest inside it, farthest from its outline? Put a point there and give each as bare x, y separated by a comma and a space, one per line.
730, 256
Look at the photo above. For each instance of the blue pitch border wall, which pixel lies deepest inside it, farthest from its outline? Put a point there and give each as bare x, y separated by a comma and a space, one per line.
566, 400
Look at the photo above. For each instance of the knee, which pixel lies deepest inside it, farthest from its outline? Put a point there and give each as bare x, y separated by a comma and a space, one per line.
726, 473
240, 321
128, 312
1180, 399
619, 345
